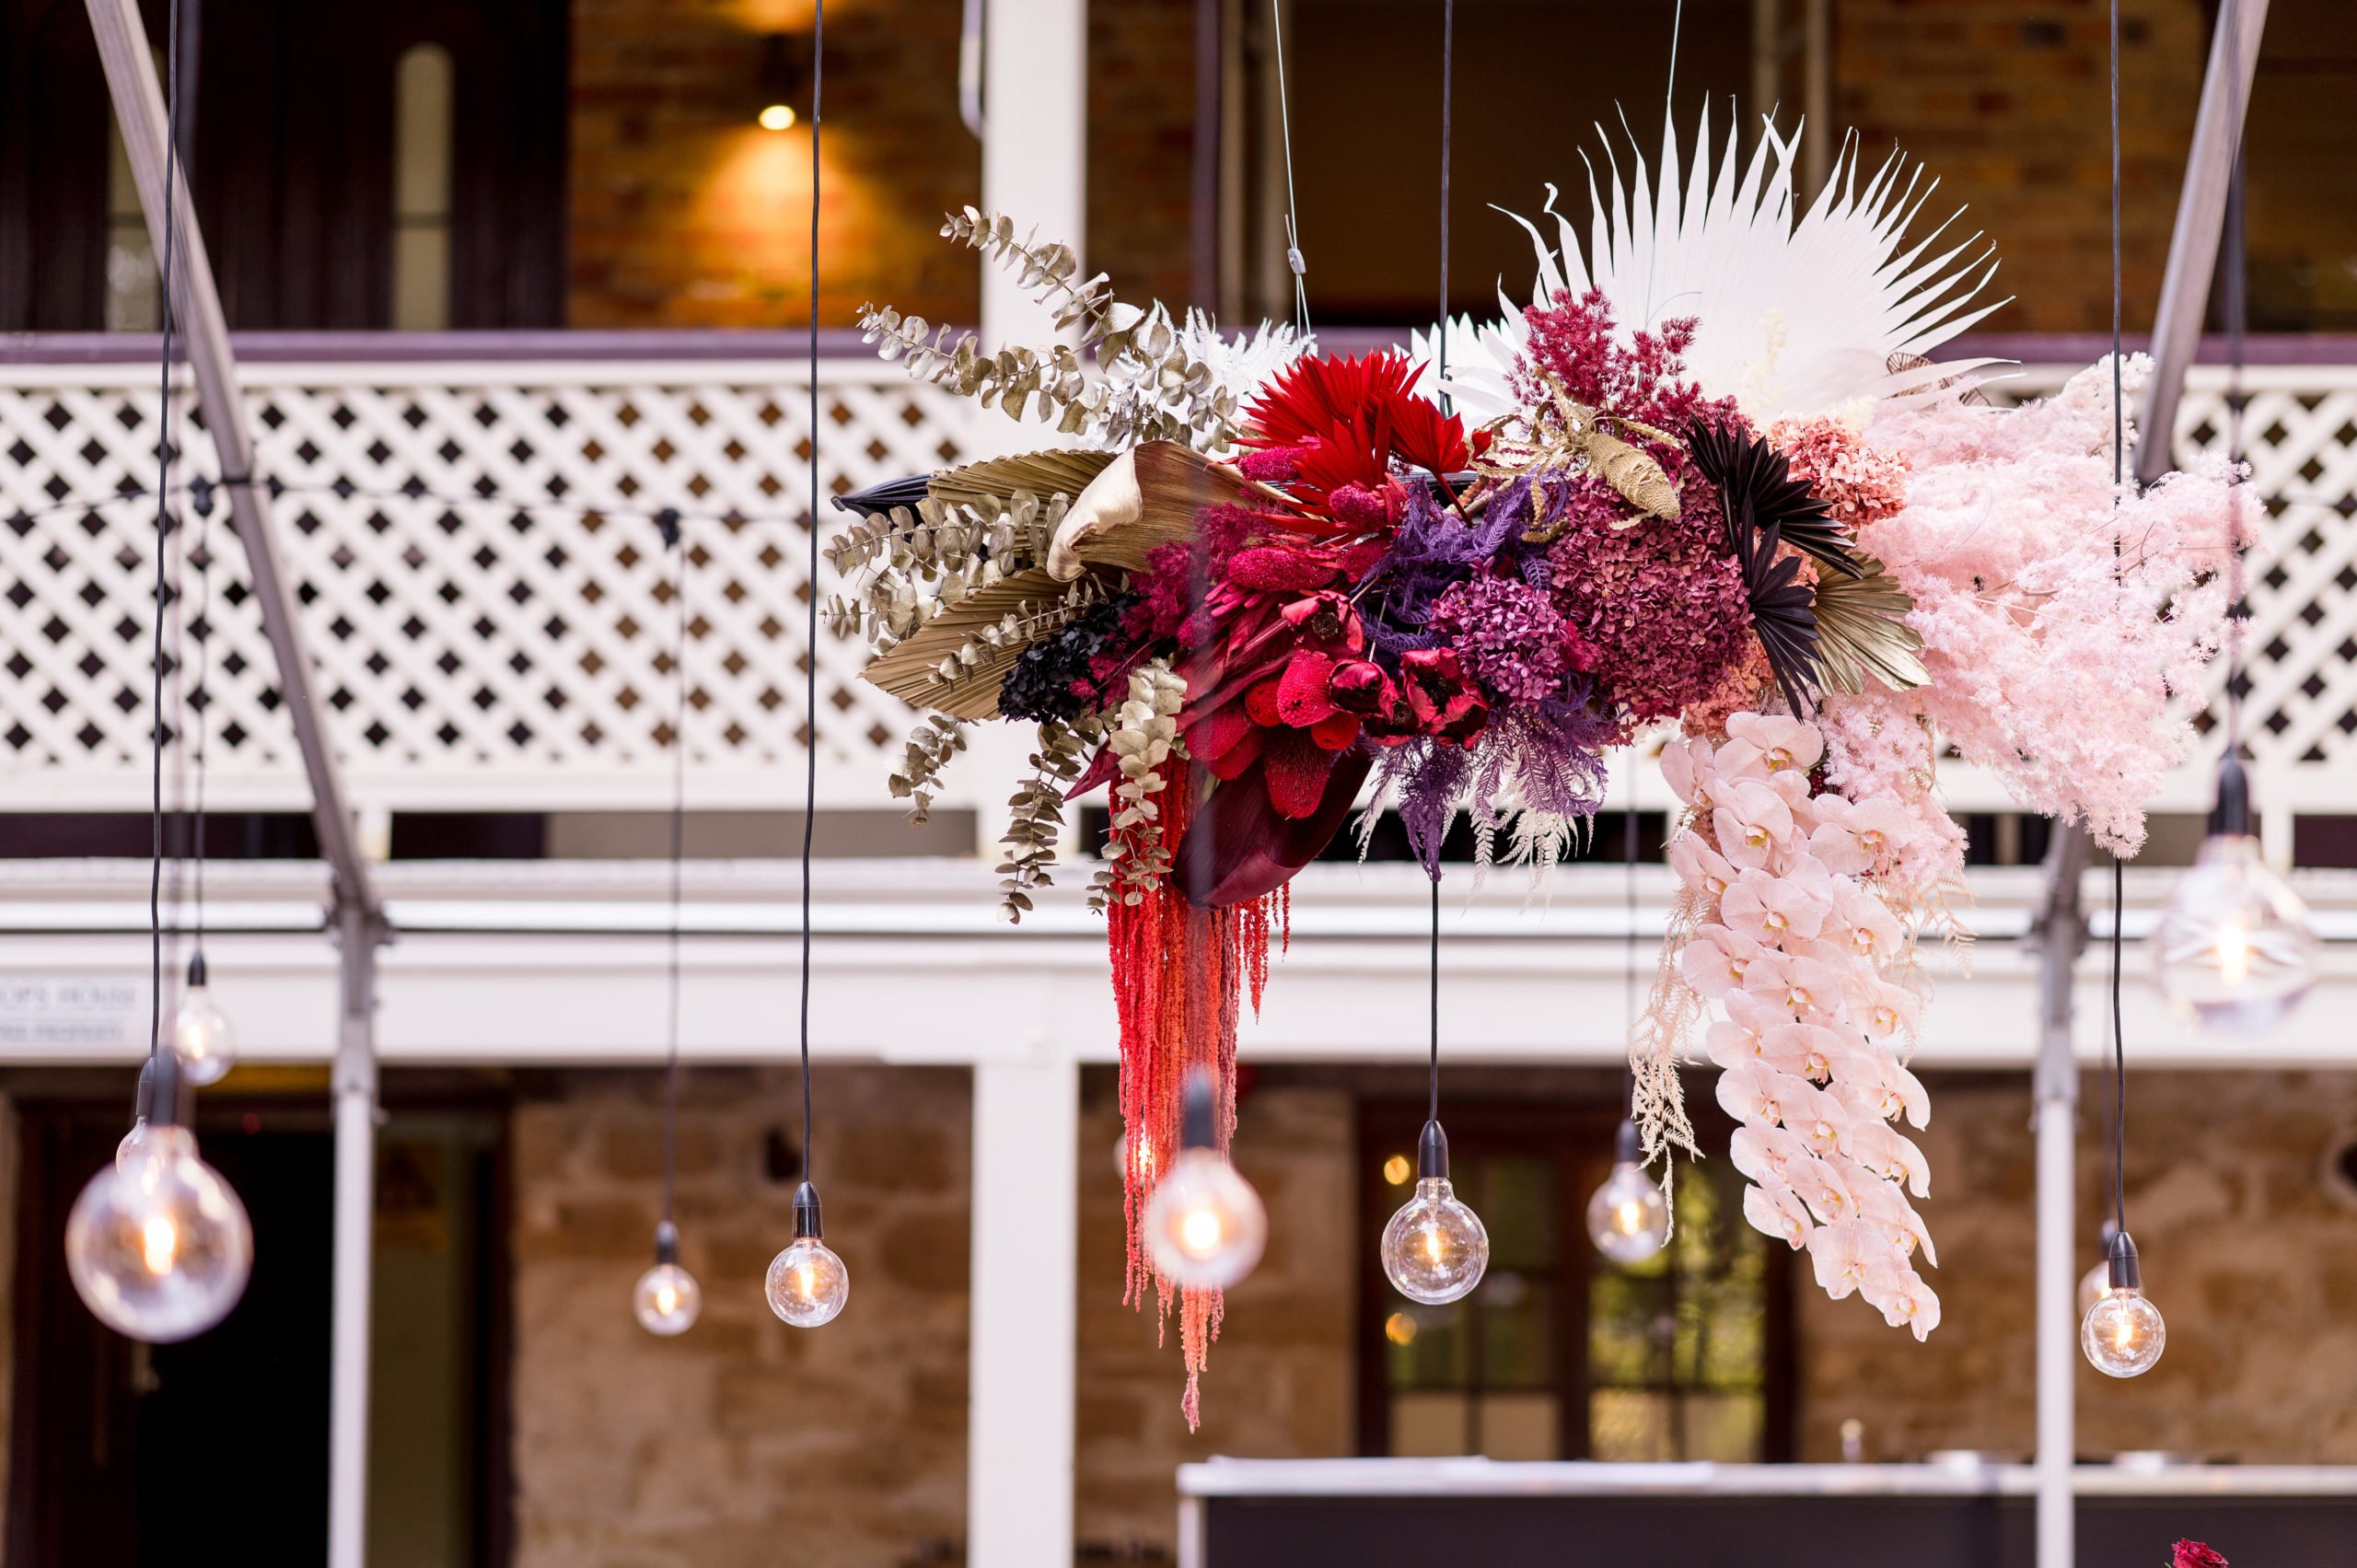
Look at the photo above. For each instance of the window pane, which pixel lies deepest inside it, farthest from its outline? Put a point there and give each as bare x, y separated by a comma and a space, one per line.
1429, 1423
1725, 1427
422, 96
1517, 1206
1628, 1425
1428, 1347
1520, 1426
1517, 1331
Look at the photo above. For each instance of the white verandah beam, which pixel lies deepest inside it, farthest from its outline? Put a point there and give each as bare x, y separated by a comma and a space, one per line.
195, 302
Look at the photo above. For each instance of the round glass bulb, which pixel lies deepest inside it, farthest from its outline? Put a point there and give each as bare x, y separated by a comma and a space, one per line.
1435, 1249
666, 1300
2093, 1285
2234, 951
807, 1284
1628, 1218
2122, 1333
1205, 1225
202, 1038
133, 1142
158, 1245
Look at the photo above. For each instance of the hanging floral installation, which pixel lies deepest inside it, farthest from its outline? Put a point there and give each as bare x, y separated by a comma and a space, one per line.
1704, 490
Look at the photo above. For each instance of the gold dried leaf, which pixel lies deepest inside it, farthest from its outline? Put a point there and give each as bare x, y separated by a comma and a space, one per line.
1633, 473
1859, 631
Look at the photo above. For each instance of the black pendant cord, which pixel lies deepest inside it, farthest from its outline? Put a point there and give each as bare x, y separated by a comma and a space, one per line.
810, 630
1447, 105
1432, 1113
199, 629
1628, 951
679, 856
2118, 866
163, 536
2236, 311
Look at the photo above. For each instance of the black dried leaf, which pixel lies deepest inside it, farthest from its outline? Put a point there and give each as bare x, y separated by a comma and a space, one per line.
1757, 490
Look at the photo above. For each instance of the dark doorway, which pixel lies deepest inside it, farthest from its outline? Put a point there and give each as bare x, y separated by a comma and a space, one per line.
127, 1455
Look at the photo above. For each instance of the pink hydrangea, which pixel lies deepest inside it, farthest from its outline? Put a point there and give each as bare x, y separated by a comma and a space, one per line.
1511, 636
1862, 483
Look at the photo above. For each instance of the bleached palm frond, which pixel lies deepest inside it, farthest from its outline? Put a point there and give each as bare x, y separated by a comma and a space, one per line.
1800, 311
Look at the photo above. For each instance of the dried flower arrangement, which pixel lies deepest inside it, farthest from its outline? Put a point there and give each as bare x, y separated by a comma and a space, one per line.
1274, 585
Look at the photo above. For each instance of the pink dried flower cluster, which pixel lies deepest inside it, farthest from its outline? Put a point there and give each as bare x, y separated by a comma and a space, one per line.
1511, 636
1862, 483
2062, 631
1664, 602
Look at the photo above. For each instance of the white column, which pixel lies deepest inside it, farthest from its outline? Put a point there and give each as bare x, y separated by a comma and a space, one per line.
354, 1080
1019, 1376
1035, 146
2055, 1094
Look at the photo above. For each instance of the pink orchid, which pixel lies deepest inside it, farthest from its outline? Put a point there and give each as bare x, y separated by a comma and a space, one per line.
1805, 1050
1881, 1204
1782, 742
1834, 845
1888, 1152
1882, 828
1750, 818
1768, 909
1729, 1044
1699, 867
1768, 1153
1904, 1300
1846, 1255
1776, 1210
1882, 1011
1828, 1187
1759, 1011
1678, 772
1747, 1093
1811, 989
1717, 960
1820, 1119
1894, 1089
1875, 933
1738, 760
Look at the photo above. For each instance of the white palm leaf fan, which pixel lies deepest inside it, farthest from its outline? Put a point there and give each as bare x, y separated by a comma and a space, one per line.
1800, 312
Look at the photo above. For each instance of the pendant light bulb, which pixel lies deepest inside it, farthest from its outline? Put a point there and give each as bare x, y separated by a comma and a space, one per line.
158, 1245
807, 1282
1435, 1249
202, 1037
1205, 1225
2122, 1333
1627, 1217
667, 1297
2234, 951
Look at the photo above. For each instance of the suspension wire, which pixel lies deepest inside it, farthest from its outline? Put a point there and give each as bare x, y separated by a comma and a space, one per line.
678, 854
1628, 954
810, 657
163, 534
1293, 258
1432, 1111
200, 631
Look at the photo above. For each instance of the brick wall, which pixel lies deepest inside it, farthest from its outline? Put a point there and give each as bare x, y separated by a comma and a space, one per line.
2251, 1260
2005, 101
1142, 146
743, 1439
686, 213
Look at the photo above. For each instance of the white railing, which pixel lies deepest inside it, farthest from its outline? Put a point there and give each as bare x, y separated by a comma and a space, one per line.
481, 577
484, 590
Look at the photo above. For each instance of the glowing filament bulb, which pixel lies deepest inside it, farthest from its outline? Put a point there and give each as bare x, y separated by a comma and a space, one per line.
667, 1297
1628, 1218
1203, 1226
2123, 1334
1435, 1249
807, 1284
158, 1242
2234, 951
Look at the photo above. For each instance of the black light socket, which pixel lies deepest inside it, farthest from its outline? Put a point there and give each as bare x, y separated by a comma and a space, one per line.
1431, 1154
667, 1243
809, 1224
2231, 817
166, 1091
1628, 1148
786, 69
197, 973
1198, 1125
143, 1104
2126, 1272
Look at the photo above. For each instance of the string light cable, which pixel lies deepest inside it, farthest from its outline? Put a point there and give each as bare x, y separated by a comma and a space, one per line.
807, 1282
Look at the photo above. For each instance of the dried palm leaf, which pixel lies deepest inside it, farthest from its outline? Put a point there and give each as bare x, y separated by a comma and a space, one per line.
1633, 471
1861, 632
988, 484
1147, 497
1757, 489
956, 662
1783, 611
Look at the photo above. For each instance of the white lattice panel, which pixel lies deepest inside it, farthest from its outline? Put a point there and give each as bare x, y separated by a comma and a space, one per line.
505, 651
481, 586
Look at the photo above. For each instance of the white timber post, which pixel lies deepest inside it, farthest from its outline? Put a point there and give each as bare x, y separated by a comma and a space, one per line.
1035, 170
355, 1079
1020, 1383
2059, 933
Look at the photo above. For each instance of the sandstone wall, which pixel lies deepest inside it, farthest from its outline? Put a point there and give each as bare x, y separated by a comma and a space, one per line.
2247, 1251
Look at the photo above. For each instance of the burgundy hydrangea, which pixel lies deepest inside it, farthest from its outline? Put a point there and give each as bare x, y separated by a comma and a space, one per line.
1662, 602
1511, 637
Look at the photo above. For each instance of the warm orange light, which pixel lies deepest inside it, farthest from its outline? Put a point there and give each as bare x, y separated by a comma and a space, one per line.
778, 117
